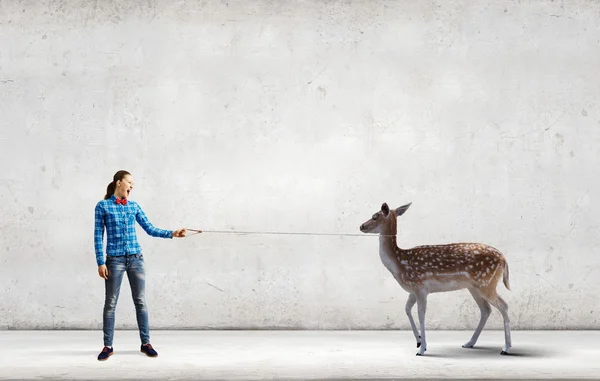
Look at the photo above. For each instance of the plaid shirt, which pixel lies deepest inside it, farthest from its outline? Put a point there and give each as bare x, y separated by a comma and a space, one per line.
119, 221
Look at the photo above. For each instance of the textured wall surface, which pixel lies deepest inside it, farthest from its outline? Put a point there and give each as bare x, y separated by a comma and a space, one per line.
299, 116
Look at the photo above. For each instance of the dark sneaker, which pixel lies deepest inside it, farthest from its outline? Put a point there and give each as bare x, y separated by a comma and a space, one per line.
148, 350
106, 353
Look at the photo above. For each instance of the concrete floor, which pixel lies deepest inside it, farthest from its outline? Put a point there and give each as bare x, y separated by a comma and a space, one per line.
246, 355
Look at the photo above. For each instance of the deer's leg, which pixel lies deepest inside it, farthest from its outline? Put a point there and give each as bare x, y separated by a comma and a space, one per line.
412, 299
422, 308
486, 310
496, 301
502, 306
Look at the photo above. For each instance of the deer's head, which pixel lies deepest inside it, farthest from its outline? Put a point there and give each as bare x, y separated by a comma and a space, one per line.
384, 221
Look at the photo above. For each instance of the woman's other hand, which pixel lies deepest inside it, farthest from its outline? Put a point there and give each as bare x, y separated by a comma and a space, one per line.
103, 271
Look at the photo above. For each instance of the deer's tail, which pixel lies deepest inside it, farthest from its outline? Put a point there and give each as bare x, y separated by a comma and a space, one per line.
505, 276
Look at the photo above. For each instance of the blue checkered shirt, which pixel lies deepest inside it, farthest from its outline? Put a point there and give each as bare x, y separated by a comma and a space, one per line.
119, 221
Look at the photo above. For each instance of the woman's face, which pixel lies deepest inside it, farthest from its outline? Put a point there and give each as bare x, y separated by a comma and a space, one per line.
124, 187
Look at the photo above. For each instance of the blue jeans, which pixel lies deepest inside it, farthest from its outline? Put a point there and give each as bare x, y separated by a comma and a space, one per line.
133, 265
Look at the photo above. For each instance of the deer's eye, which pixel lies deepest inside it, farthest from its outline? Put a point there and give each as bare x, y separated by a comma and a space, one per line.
375, 216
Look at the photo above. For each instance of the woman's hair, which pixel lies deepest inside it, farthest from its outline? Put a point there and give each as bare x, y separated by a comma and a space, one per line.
110, 189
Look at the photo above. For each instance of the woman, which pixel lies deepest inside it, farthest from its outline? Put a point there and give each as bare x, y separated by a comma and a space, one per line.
123, 255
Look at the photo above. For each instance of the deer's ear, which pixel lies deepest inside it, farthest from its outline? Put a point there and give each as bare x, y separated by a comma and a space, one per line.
400, 211
385, 209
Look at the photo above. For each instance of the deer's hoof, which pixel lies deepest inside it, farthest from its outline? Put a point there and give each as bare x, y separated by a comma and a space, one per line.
503, 353
469, 344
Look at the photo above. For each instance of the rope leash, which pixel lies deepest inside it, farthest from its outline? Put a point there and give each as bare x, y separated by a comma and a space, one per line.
282, 233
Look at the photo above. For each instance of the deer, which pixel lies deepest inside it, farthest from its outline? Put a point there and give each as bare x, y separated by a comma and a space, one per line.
428, 269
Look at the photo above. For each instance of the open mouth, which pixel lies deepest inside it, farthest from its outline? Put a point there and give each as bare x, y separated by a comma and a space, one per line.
128, 191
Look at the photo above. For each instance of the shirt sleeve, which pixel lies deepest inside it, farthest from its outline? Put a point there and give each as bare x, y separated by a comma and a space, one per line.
99, 233
141, 218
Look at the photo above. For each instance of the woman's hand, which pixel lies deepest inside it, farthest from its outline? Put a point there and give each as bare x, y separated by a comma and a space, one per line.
180, 233
103, 271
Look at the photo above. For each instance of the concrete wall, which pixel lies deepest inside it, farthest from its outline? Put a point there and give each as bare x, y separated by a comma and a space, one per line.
299, 116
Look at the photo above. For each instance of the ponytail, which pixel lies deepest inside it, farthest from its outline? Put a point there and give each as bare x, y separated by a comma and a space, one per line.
110, 189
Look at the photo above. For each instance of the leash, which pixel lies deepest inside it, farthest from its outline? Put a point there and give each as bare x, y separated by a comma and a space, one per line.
195, 231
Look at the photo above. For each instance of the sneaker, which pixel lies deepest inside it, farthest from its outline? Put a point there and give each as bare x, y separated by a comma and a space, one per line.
105, 354
148, 350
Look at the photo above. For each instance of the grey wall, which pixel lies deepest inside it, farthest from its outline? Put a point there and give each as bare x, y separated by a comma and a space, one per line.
299, 116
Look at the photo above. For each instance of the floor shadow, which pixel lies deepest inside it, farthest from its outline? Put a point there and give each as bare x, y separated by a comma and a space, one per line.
488, 353
515, 352
96, 353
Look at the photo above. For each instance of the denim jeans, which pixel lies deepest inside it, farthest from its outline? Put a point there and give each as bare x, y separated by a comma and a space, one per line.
133, 265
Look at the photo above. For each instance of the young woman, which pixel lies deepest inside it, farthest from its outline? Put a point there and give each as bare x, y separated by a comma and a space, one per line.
118, 215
